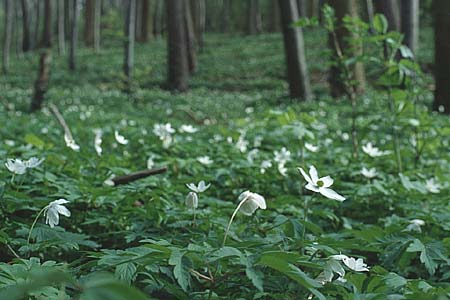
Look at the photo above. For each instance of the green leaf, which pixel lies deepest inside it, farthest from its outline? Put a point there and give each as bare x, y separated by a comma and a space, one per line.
126, 272
282, 263
106, 287
425, 258
223, 253
181, 270
380, 23
34, 140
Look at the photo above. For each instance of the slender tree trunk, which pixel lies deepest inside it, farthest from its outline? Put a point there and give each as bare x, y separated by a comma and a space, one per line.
157, 15
41, 84
302, 8
274, 21
297, 72
336, 79
47, 35
190, 38
74, 34
26, 43
68, 6
391, 10
37, 22
198, 13
97, 24
89, 17
129, 42
254, 25
7, 35
410, 23
370, 11
441, 56
177, 60
61, 31
226, 15
145, 28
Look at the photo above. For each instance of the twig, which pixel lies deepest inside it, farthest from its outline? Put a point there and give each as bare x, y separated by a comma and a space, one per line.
137, 175
61, 121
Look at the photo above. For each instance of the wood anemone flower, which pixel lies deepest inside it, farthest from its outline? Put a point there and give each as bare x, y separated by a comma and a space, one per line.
320, 185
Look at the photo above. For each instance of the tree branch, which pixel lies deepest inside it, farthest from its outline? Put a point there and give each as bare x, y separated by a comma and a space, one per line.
137, 175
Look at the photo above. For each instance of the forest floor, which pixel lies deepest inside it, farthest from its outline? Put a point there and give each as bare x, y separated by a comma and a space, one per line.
245, 135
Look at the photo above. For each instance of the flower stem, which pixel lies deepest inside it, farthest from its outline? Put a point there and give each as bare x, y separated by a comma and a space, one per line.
193, 222
34, 223
232, 218
394, 132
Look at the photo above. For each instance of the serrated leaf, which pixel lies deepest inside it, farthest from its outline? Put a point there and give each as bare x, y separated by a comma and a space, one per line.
126, 272
181, 270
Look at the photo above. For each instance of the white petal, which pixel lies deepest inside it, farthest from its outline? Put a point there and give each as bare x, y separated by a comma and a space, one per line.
249, 207
327, 181
307, 178
311, 187
329, 193
192, 187
260, 201
63, 210
313, 174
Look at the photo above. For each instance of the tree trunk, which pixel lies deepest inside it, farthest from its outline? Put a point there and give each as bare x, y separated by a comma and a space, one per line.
68, 6
274, 21
48, 29
254, 25
97, 24
89, 17
157, 16
302, 8
226, 15
336, 80
61, 32
177, 60
198, 14
190, 38
37, 22
74, 34
7, 35
26, 43
41, 84
410, 23
390, 9
441, 56
145, 29
129, 42
297, 72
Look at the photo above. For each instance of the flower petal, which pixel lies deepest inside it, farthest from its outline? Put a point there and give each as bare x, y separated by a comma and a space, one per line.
311, 187
313, 174
63, 210
306, 176
327, 181
329, 193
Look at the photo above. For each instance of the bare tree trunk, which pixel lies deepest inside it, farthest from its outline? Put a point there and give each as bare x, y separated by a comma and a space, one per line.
336, 80
441, 56
89, 16
144, 31
302, 8
190, 39
41, 84
254, 25
47, 35
129, 42
37, 22
390, 9
97, 24
74, 34
61, 32
274, 21
7, 35
410, 23
26, 43
370, 11
226, 15
297, 72
157, 15
198, 13
177, 60
68, 7
17, 32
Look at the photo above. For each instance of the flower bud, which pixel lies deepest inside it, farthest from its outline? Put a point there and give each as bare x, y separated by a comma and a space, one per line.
191, 200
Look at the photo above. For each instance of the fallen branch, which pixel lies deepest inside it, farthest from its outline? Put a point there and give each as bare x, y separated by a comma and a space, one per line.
138, 175
61, 120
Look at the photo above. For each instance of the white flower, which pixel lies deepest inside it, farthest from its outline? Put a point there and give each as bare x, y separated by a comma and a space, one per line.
282, 169
120, 138
320, 185
372, 151
150, 162
164, 132
258, 141
369, 173
249, 202
311, 147
282, 156
191, 200
10, 143
265, 164
109, 181
432, 186
242, 144
187, 128
98, 141
200, 188
414, 225
16, 166
357, 265
53, 210
70, 142
33, 162
252, 154
205, 160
